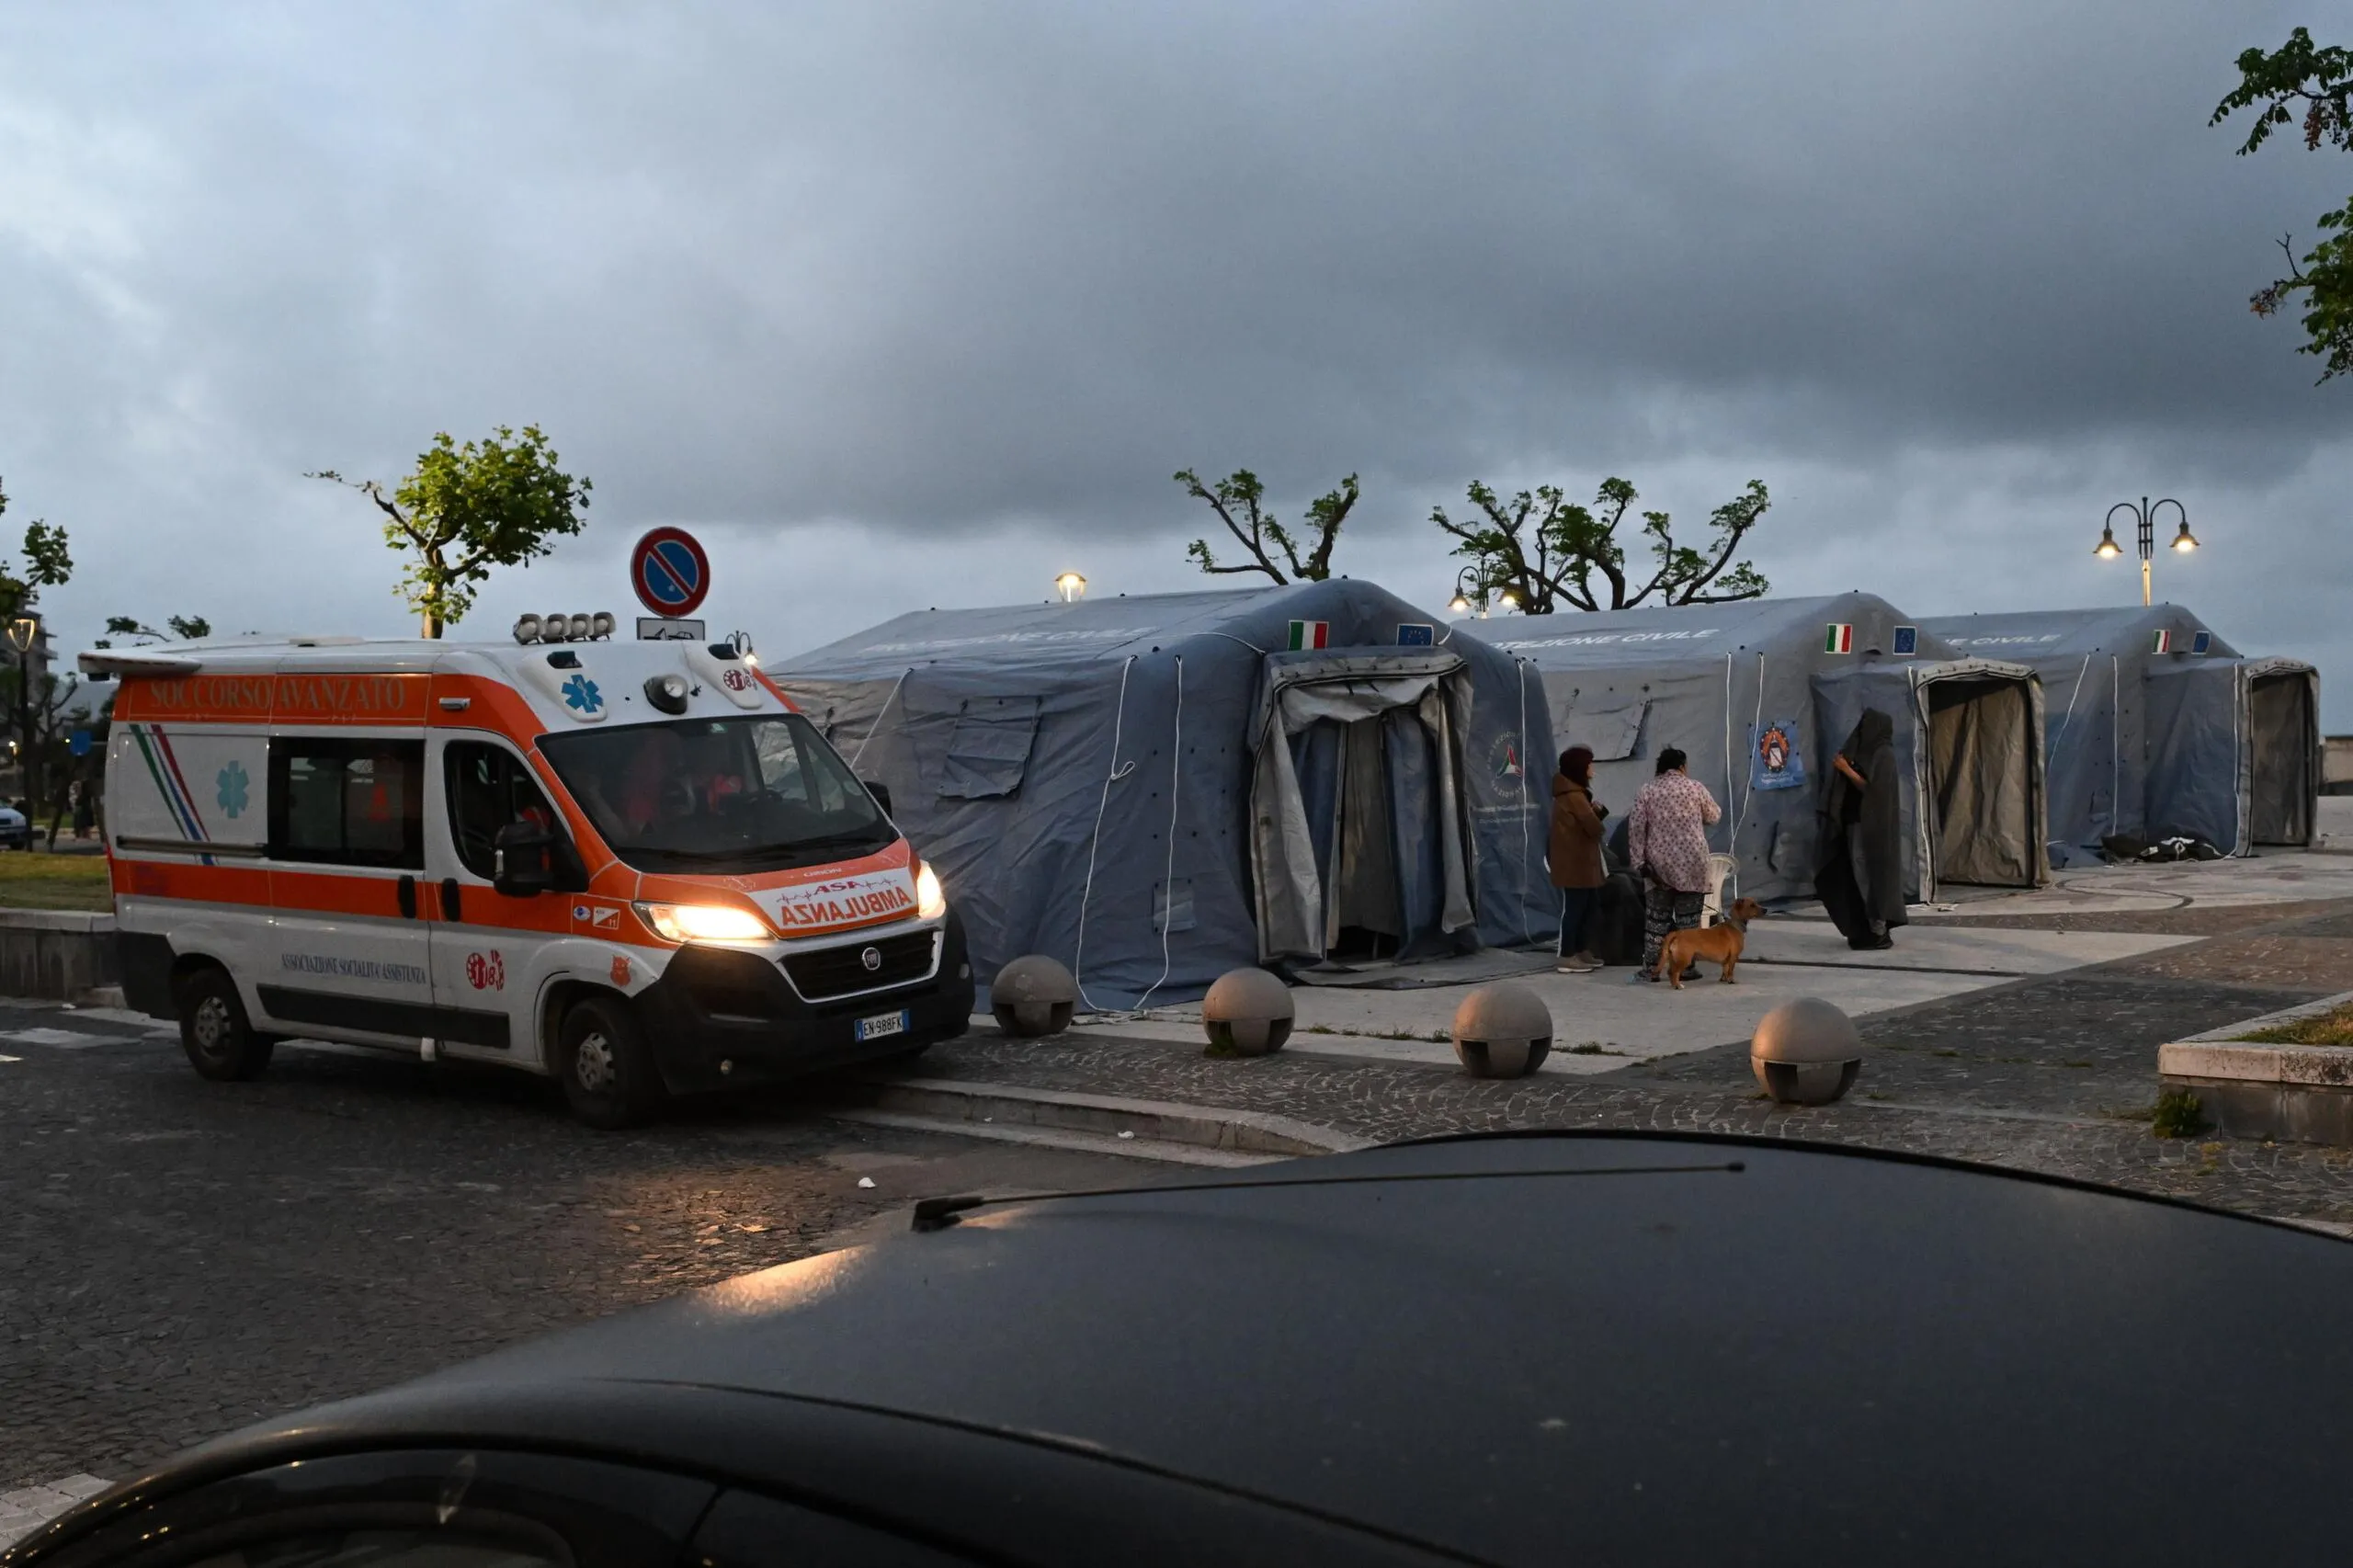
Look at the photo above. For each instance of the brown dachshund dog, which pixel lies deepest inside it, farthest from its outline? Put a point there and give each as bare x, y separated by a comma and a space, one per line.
1721, 942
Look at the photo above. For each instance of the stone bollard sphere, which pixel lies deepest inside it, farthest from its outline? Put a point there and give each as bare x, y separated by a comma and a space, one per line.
1247, 1013
1503, 1031
1033, 996
1806, 1053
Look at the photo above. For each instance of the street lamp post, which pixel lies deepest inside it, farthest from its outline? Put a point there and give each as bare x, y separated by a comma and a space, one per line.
1462, 603
2144, 516
23, 632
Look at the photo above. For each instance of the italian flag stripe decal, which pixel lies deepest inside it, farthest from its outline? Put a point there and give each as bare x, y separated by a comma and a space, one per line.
1839, 639
2163, 643
1306, 634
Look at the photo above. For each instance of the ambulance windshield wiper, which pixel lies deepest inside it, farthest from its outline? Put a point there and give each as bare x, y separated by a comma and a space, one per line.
875, 834
787, 852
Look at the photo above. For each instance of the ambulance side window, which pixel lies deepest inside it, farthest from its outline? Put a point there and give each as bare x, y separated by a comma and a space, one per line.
489, 787
347, 802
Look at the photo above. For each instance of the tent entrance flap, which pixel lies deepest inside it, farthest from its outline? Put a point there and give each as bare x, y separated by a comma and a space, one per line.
2283, 770
1357, 846
1983, 826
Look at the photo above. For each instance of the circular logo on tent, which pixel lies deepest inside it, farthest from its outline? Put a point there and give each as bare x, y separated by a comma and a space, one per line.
669, 572
1502, 757
1773, 749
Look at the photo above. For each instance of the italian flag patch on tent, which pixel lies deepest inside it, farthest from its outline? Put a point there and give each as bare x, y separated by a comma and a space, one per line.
1838, 637
1305, 634
2161, 642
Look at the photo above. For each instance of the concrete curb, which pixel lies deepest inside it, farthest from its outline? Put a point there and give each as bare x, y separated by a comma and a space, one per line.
2300, 1092
58, 955
27, 1508
1155, 1121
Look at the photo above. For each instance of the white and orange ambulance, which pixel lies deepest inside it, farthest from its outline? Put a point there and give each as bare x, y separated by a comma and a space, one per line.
631, 866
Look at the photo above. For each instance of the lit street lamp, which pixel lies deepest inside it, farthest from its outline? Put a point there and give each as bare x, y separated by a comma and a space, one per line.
2145, 517
1071, 587
1461, 603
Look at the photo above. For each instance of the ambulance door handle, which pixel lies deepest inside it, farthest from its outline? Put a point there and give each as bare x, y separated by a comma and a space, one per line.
449, 907
407, 890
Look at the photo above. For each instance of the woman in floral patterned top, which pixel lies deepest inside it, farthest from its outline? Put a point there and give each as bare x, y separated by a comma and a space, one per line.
1667, 839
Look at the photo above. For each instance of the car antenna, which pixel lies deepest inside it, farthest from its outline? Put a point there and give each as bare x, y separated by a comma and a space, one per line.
938, 1213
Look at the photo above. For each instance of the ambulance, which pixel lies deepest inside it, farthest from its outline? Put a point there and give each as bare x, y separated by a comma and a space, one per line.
632, 867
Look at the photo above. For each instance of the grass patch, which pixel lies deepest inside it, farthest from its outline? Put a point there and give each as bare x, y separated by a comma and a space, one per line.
2332, 1027
2179, 1114
1434, 1039
1592, 1047
55, 882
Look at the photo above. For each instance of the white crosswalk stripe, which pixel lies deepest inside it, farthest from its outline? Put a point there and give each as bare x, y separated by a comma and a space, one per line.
26, 1510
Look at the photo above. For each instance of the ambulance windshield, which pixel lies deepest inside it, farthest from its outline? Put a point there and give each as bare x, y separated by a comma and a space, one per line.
720, 795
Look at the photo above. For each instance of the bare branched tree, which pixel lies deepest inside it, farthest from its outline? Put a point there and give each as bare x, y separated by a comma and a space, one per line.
1542, 552
1239, 499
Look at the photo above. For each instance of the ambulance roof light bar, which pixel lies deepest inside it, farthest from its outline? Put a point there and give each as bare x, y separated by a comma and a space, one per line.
562, 628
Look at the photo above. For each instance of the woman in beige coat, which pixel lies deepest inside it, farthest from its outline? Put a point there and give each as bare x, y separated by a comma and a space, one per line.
1574, 855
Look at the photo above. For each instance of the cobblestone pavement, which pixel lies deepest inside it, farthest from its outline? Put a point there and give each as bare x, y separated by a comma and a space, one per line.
2055, 1074
183, 1257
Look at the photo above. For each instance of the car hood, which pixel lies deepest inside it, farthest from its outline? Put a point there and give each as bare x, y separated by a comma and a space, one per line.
1655, 1347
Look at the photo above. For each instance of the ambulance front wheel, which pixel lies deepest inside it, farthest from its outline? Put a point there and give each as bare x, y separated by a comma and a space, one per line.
607, 1069
214, 1031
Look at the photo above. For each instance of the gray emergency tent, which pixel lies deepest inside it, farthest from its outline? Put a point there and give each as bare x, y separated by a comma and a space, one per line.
2158, 727
1159, 789
1760, 693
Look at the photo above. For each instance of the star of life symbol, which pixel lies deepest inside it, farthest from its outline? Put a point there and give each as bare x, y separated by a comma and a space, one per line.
581, 693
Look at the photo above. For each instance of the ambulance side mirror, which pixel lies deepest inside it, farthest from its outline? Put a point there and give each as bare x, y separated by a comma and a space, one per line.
519, 859
881, 793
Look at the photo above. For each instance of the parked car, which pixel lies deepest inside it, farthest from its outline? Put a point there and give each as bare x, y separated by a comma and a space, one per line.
1532, 1349
16, 833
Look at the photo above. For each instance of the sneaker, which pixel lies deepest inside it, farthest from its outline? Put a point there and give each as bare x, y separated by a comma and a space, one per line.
1588, 958
1575, 963
1642, 976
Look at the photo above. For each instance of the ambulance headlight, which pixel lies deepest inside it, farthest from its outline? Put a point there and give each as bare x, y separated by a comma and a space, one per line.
931, 899
703, 923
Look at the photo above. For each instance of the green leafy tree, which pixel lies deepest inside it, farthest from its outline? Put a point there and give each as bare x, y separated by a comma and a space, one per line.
1539, 552
1239, 500
499, 501
2302, 85
48, 563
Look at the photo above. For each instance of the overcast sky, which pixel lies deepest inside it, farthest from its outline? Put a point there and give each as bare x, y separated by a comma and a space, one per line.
906, 306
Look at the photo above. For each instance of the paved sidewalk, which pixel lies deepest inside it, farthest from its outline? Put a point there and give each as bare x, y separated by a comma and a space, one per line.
1622, 1021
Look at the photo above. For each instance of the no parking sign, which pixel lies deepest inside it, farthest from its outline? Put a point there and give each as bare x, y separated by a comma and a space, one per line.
669, 572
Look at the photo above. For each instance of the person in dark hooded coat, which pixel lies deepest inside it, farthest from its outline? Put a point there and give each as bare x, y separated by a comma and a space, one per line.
1859, 874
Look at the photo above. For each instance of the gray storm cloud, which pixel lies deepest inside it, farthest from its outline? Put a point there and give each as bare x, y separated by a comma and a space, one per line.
915, 304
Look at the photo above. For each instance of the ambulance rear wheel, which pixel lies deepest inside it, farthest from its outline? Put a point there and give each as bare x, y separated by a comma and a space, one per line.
214, 1031
607, 1069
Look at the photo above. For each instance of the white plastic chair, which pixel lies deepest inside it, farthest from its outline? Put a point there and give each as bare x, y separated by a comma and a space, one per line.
1712, 907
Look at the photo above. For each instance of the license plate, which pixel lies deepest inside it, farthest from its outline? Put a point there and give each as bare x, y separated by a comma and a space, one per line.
883, 1024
